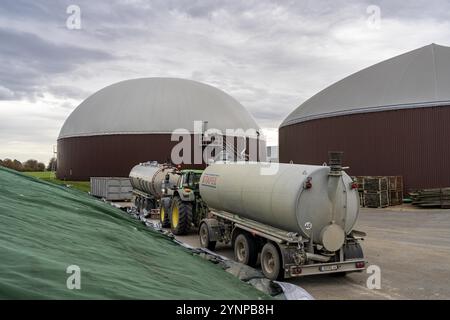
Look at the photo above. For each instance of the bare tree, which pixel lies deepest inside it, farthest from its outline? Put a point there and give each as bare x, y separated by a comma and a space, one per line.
17, 165
8, 163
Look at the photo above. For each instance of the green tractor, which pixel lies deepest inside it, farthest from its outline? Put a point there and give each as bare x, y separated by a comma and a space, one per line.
184, 208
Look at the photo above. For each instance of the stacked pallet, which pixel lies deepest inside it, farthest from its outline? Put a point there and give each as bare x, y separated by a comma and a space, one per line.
376, 194
439, 197
379, 191
395, 190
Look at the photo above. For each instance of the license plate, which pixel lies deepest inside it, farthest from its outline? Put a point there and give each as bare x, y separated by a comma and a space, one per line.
329, 268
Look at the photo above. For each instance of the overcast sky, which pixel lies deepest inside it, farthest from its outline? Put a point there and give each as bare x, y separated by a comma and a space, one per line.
269, 55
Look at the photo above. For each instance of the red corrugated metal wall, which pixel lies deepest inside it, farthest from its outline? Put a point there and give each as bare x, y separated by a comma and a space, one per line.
80, 158
414, 143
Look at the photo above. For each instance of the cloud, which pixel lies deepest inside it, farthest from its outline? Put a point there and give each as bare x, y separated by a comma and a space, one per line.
65, 91
6, 94
27, 61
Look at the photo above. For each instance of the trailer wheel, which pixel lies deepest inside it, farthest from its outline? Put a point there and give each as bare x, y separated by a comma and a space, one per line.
245, 249
164, 218
180, 216
137, 203
271, 262
144, 204
150, 204
204, 237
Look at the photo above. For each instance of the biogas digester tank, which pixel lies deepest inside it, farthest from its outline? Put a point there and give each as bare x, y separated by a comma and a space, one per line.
314, 201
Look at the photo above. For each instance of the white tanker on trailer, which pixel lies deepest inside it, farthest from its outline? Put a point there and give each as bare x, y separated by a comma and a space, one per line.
150, 177
174, 191
300, 218
150, 180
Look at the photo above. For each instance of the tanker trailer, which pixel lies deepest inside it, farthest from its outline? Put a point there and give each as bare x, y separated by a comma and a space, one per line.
299, 219
153, 184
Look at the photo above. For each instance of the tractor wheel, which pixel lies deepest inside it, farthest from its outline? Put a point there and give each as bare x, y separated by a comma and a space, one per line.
180, 216
164, 210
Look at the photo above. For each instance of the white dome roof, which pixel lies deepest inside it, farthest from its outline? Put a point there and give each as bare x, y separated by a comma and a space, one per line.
155, 105
415, 79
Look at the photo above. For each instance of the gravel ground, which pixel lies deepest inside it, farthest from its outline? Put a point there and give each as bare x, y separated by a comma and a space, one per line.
410, 245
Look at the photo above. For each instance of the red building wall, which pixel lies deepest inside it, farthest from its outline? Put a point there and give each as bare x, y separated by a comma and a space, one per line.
414, 143
80, 158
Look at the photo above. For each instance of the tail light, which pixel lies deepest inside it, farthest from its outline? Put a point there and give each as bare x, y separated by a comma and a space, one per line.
295, 270
360, 264
354, 185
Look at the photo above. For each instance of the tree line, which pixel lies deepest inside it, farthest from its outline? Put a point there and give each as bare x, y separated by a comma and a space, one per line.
29, 165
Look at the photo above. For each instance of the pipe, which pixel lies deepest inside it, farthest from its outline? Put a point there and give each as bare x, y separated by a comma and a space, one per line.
317, 257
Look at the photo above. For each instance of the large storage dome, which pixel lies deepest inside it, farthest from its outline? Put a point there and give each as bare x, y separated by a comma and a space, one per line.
389, 119
132, 121
415, 79
155, 105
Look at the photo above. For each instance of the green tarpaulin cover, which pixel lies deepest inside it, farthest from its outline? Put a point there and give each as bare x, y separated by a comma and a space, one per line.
46, 228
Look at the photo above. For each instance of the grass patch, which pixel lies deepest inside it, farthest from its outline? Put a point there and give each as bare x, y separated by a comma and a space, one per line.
50, 176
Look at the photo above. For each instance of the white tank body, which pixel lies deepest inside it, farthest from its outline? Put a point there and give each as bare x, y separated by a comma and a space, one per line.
149, 177
326, 211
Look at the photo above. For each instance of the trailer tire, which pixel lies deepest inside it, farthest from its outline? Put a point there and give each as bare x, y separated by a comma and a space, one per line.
205, 237
245, 249
150, 204
180, 216
144, 204
164, 210
271, 262
137, 203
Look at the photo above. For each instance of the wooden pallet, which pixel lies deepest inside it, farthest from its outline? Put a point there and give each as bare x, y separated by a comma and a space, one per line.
439, 197
371, 185
375, 184
360, 181
378, 199
361, 198
395, 198
395, 183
